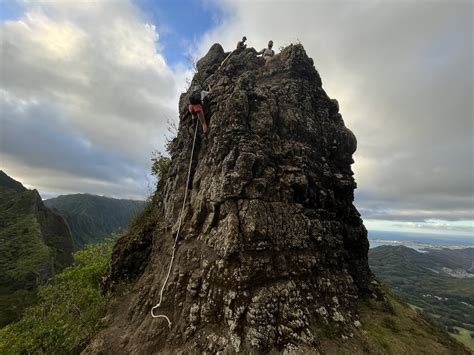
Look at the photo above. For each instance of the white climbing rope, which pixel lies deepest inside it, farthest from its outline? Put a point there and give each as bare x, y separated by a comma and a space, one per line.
177, 233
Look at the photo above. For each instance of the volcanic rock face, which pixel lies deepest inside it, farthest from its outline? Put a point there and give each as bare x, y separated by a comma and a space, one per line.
272, 250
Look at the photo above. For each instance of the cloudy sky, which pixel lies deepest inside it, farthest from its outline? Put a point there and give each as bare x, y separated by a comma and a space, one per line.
87, 89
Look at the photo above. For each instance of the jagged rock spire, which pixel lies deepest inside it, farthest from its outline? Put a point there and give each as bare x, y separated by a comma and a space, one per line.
272, 249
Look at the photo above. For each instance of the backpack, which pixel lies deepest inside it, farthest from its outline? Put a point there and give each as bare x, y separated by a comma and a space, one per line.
195, 97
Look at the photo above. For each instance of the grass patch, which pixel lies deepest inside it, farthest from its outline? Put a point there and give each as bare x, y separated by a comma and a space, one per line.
464, 337
406, 331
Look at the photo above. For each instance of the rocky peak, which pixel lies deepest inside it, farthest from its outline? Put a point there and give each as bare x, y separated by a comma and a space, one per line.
272, 250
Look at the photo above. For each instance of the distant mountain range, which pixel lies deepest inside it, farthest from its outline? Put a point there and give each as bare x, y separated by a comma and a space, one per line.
440, 282
37, 238
35, 244
93, 218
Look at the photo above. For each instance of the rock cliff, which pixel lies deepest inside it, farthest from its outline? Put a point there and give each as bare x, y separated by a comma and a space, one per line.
272, 255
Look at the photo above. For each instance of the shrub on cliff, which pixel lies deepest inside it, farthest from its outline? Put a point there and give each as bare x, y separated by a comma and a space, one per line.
68, 312
160, 165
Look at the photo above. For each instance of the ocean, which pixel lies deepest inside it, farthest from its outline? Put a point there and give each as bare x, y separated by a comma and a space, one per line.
423, 238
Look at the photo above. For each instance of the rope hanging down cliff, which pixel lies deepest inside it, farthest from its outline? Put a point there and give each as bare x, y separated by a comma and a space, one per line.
177, 234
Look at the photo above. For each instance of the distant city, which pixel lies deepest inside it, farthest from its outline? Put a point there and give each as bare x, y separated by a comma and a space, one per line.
420, 241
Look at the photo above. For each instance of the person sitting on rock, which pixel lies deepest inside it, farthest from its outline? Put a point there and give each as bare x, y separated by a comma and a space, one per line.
241, 44
196, 99
267, 53
240, 47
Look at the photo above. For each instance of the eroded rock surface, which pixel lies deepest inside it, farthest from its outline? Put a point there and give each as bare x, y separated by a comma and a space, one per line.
272, 250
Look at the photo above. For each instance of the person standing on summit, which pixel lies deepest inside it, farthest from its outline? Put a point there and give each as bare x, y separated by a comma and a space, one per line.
268, 52
196, 98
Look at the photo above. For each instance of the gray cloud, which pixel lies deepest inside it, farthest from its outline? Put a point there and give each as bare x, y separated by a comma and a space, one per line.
27, 137
95, 87
414, 215
460, 231
402, 72
58, 158
86, 96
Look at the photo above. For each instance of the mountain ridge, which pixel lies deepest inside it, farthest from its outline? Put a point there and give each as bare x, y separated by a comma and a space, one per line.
35, 244
9, 182
93, 218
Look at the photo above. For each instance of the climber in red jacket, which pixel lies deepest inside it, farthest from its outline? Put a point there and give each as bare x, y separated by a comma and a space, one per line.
196, 99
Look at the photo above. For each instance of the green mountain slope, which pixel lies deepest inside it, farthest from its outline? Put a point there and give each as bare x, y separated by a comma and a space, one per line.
35, 243
93, 218
440, 281
7, 181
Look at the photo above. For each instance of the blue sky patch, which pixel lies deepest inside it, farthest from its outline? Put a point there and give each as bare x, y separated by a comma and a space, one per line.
179, 24
10, 10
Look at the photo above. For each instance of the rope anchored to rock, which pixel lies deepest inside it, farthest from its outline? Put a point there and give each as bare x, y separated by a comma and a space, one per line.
177, 235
